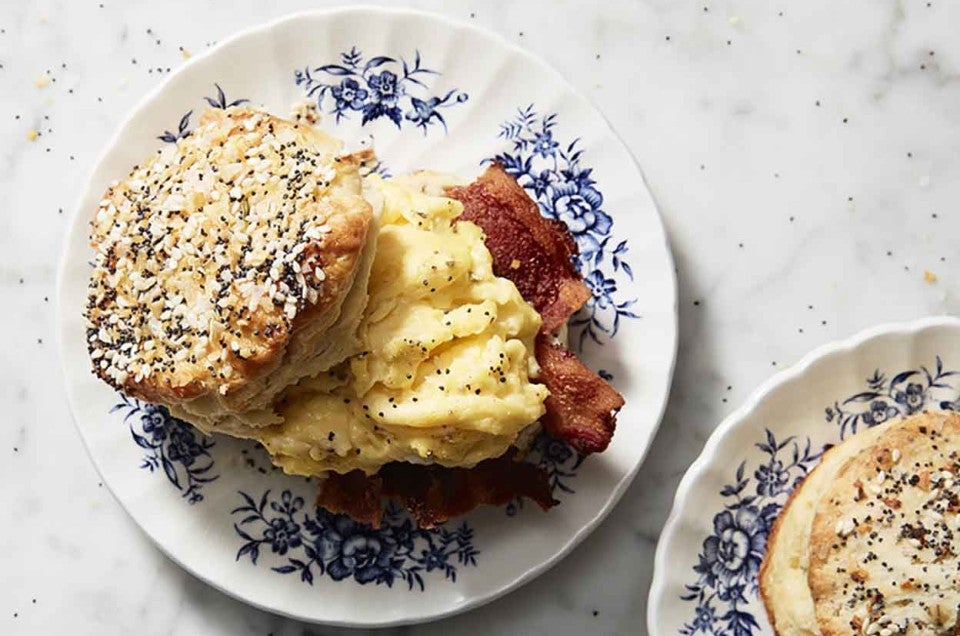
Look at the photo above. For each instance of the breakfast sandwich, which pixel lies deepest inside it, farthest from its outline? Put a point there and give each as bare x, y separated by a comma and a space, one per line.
396, 338
866, 545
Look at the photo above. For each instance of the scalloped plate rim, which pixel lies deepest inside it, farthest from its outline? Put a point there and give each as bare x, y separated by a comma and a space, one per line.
740, 417
575, 538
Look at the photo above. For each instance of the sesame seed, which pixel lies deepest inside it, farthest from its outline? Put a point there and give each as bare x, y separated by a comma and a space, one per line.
138, 308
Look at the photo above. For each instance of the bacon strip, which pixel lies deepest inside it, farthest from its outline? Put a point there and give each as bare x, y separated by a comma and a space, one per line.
354, 494
534, 252
582, 407
434, 494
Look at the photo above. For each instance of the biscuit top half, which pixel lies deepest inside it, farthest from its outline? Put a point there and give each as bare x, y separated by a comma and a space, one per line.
213, 252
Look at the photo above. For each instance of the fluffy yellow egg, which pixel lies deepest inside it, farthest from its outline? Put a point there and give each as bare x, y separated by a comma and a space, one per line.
445, 372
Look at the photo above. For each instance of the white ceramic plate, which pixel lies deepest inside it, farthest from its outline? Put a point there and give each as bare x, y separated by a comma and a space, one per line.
429, 93
705, 579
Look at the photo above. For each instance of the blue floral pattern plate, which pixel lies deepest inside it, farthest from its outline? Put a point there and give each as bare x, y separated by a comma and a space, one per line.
709, 555
426, 93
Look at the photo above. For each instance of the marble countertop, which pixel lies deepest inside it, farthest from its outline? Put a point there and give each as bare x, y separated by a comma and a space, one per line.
801, 156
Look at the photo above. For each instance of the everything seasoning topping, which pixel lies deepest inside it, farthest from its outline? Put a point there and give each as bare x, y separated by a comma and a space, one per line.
903, 525
206, 248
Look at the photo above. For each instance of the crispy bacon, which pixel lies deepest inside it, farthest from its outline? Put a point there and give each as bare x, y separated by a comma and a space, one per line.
534, 252
582, 407
434, 494
354, 494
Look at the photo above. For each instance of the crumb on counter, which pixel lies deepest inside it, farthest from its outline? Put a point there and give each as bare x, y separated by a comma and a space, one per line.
42, 80
929, 276
32, 134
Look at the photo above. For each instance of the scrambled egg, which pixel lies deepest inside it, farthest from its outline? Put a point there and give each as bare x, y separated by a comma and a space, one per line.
444, 376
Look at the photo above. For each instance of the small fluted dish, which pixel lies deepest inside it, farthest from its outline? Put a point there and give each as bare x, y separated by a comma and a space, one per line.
710, 551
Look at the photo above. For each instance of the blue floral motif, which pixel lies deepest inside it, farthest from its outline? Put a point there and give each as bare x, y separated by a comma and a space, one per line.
911, 398
378, 87
904, 393
728, 562
544, 145
771, 478
221, 101
170, 444
736, 547
730, 557
319, 543
183, 128
282, 534
349, 95
566, 190
385, 86
322, 543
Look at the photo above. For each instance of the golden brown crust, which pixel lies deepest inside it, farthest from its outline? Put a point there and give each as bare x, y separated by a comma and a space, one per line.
783, 573
215, 253
772, 539
883, 552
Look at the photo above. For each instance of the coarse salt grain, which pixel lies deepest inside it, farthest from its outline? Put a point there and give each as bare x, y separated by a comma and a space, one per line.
183, 248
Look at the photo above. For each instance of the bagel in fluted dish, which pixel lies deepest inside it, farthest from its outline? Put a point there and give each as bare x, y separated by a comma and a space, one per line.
866, 543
